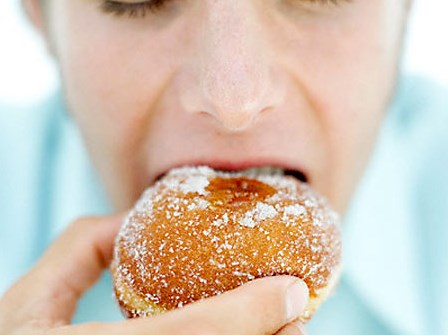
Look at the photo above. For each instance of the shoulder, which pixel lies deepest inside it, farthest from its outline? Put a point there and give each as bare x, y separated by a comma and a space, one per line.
419, 122
32, 119
419, 104
420, 131
27, 135
416, 128
27, 139
413, 142
27, 129
401, 205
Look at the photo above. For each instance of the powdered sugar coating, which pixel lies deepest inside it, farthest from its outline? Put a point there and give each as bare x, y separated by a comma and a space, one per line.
198, 233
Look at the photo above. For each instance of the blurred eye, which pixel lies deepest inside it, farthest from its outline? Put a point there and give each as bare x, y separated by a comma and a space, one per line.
322, 2
133, 9
328, 2
136, 9
316, 6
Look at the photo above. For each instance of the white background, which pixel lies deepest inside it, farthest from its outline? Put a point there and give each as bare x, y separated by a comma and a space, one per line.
27, 74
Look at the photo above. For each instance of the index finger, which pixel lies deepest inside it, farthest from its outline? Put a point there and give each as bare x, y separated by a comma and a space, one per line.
71, 265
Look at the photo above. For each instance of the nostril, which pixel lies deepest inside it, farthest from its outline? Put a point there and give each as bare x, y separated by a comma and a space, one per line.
236, 112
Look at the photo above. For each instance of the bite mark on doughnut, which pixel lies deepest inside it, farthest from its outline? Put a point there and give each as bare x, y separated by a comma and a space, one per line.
198, 233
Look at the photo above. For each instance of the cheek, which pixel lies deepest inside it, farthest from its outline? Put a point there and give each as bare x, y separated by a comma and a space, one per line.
112, 75
348, 68
111, 80
347, 64
359, 83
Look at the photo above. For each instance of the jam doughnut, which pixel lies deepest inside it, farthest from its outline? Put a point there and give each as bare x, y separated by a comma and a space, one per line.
199, 232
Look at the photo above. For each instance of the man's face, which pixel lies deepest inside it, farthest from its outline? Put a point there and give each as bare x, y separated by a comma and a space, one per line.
298, 84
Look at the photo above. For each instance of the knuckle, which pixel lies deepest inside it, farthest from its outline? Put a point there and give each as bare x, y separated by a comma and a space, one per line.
83, 225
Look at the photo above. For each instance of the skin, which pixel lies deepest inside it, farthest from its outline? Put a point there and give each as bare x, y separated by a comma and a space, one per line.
43, 301
227, 83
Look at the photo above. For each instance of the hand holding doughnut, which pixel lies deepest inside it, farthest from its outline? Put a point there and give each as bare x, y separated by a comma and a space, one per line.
45, 299
198, 233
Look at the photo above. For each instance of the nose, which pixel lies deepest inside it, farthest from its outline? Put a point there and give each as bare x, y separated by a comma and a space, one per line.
231, 76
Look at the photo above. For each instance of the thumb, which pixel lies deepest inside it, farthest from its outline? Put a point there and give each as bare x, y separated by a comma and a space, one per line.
72, 264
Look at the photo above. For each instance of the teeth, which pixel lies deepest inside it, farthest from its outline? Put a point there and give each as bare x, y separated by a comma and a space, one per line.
264, 170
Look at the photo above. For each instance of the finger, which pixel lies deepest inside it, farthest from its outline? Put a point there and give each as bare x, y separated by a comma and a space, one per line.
260, 307
86, 245
68, 268
293, 328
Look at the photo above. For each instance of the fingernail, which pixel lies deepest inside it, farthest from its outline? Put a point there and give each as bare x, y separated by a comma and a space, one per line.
296, 300
300, 327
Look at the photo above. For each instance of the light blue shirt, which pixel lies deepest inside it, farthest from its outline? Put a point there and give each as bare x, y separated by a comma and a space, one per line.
395, 279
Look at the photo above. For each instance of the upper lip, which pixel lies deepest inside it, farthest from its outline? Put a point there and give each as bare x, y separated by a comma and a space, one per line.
229, 165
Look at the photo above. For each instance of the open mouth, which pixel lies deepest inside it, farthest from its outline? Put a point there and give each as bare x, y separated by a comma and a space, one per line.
259, 171
271, 171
